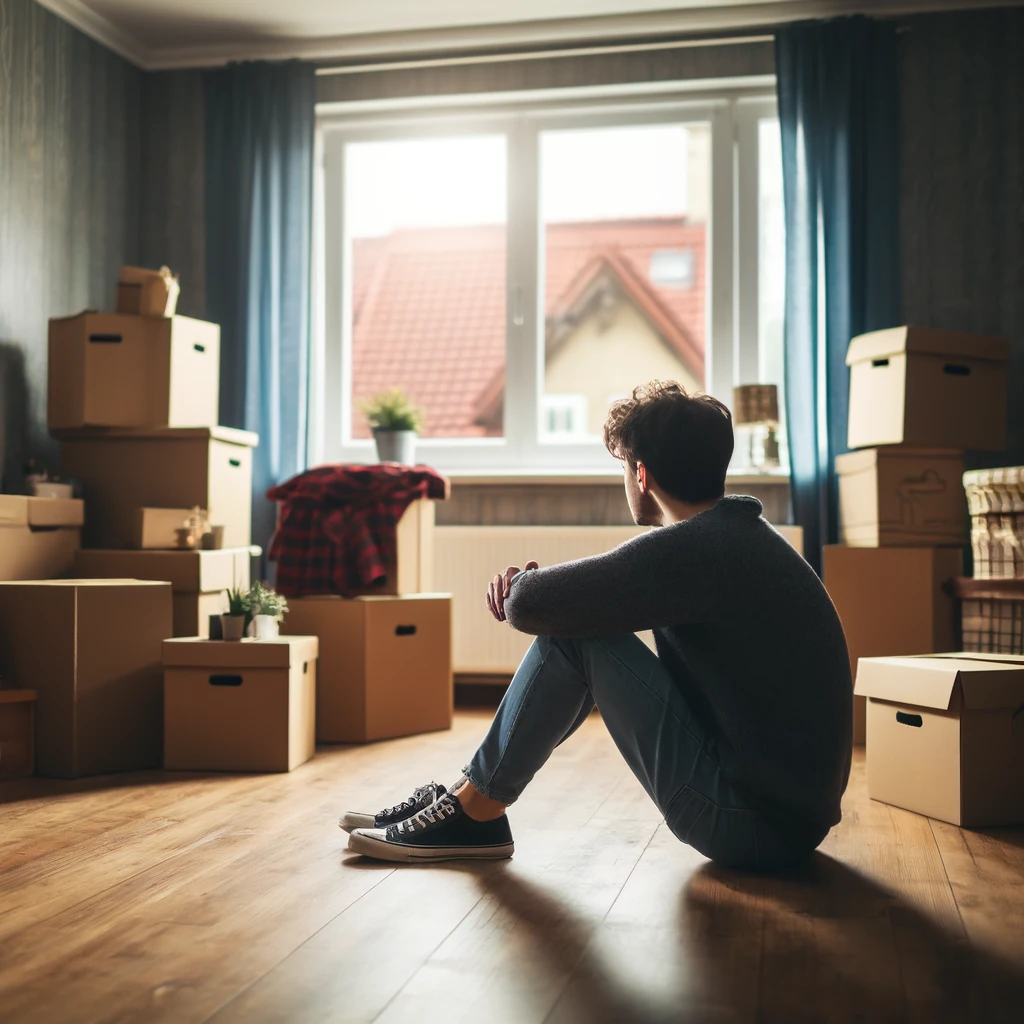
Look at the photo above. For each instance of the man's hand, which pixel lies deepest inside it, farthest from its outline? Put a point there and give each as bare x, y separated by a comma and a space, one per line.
499, 589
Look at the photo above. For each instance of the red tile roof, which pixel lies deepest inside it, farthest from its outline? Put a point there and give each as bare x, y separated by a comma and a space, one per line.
429, 307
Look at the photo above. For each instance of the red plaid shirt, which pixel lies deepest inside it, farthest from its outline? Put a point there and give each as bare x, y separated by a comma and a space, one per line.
336, 525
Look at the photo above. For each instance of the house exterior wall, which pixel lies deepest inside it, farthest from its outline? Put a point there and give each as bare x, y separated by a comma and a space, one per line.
608, 354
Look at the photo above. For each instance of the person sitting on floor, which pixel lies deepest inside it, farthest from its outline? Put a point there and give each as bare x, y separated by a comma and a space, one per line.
739, 727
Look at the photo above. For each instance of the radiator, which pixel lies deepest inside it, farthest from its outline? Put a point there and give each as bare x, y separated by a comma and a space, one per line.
467, 557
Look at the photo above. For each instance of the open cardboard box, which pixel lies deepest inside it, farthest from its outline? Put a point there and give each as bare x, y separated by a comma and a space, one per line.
946, 735
38, 536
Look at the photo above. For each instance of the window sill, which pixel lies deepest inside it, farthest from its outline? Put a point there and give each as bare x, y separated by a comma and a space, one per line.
778, 478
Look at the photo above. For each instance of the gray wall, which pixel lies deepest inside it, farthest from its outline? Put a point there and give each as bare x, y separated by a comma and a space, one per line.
962, 201
69, 202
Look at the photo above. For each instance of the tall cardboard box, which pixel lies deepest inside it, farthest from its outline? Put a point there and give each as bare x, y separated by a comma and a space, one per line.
945, 737
898, 496
412, 571
123, 471
242, 706
38, 536
91, 649
117, 370
385, 664
930, 388
892, 601
198, 579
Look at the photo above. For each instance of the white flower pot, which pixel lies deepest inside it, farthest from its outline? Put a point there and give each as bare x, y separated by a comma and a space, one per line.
396, 446
266, 627
232, 626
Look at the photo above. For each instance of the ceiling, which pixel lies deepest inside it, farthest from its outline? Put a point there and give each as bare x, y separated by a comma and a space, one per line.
181, 33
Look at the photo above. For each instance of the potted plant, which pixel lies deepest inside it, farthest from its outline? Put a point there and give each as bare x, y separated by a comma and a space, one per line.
395, 422
235, 621
268, 608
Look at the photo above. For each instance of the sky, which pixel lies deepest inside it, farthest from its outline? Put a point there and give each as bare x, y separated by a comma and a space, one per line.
586, 174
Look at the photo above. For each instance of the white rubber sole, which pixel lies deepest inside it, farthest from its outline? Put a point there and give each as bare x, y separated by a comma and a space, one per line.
381, 849
352, 820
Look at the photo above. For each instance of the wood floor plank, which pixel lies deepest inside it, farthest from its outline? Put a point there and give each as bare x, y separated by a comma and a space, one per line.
185, 899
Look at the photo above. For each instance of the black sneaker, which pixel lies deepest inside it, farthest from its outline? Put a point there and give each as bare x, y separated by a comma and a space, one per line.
442, 831
423, 796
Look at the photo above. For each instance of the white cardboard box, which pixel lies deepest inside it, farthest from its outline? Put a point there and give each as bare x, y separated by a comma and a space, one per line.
935, 389
946, 735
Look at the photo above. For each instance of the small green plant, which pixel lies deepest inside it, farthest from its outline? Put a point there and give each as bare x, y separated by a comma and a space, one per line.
264, 600
239, 602
392, 410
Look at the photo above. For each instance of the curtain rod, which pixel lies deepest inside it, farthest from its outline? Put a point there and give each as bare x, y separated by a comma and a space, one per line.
505, 58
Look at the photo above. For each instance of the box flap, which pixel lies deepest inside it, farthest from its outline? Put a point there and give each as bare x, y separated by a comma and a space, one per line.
928, 680
191, 652
868, 458
897, 340
13, 510
926, 683
56, 512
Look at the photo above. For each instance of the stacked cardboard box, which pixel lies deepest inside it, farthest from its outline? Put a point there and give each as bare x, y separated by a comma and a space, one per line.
918, 399
134, 401
386, 656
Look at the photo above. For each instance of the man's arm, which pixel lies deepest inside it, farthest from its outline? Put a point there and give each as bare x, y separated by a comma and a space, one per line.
658, 579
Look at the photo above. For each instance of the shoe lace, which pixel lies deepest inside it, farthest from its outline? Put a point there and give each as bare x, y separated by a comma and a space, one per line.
420, 795
443, 807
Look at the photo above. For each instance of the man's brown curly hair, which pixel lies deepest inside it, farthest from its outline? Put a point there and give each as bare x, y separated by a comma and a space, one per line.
684, 441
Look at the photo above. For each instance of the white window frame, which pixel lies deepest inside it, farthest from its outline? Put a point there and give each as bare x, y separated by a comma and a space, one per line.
731, 108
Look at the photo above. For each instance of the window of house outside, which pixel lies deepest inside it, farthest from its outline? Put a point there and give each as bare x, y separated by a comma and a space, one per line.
515, 272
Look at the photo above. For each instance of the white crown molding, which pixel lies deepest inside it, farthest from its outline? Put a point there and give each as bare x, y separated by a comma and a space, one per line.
85, 19
680, 22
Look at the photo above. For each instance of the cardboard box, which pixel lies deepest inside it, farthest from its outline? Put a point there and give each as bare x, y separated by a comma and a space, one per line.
412, 572
243, 706
158, 528
891, 601
38, 536
901, 497
91, 651
946, 736
198, 579
113, 370
123, 471
147, 292
17, 732
934, 389
385, 664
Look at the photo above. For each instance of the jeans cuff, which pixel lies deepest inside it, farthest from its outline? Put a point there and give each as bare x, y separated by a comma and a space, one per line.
502, 796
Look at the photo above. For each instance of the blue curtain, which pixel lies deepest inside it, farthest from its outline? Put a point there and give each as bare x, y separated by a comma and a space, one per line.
259, 204
839, 113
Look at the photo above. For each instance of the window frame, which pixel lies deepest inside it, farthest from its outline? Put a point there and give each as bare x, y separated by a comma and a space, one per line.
732, 110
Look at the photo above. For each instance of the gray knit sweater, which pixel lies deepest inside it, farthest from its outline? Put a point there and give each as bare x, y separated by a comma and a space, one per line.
745, 629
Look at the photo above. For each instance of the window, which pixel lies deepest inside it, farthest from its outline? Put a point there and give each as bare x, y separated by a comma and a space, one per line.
514, 271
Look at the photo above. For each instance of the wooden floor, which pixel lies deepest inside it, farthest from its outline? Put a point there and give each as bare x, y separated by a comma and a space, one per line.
177, 897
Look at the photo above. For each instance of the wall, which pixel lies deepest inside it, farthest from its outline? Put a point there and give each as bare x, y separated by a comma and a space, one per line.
962, 189
69, 172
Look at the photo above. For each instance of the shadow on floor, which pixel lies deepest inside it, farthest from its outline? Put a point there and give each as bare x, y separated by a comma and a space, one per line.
827, 944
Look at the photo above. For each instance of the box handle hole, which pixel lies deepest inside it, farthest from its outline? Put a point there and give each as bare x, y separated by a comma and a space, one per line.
305, 668
234, 462
405, 630
225, 680
105, 339
198, 347
913, 720
956, 370
879, 362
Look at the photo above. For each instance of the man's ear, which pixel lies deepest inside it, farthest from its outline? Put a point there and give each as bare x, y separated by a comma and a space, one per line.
641, 477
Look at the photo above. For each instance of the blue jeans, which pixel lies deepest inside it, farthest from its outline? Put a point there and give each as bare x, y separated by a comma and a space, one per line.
554, 690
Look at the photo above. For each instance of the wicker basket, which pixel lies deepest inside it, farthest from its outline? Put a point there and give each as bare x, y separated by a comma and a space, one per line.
991, 615
995, 498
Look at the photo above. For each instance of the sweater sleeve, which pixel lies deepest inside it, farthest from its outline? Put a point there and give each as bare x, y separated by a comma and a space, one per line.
655, 580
